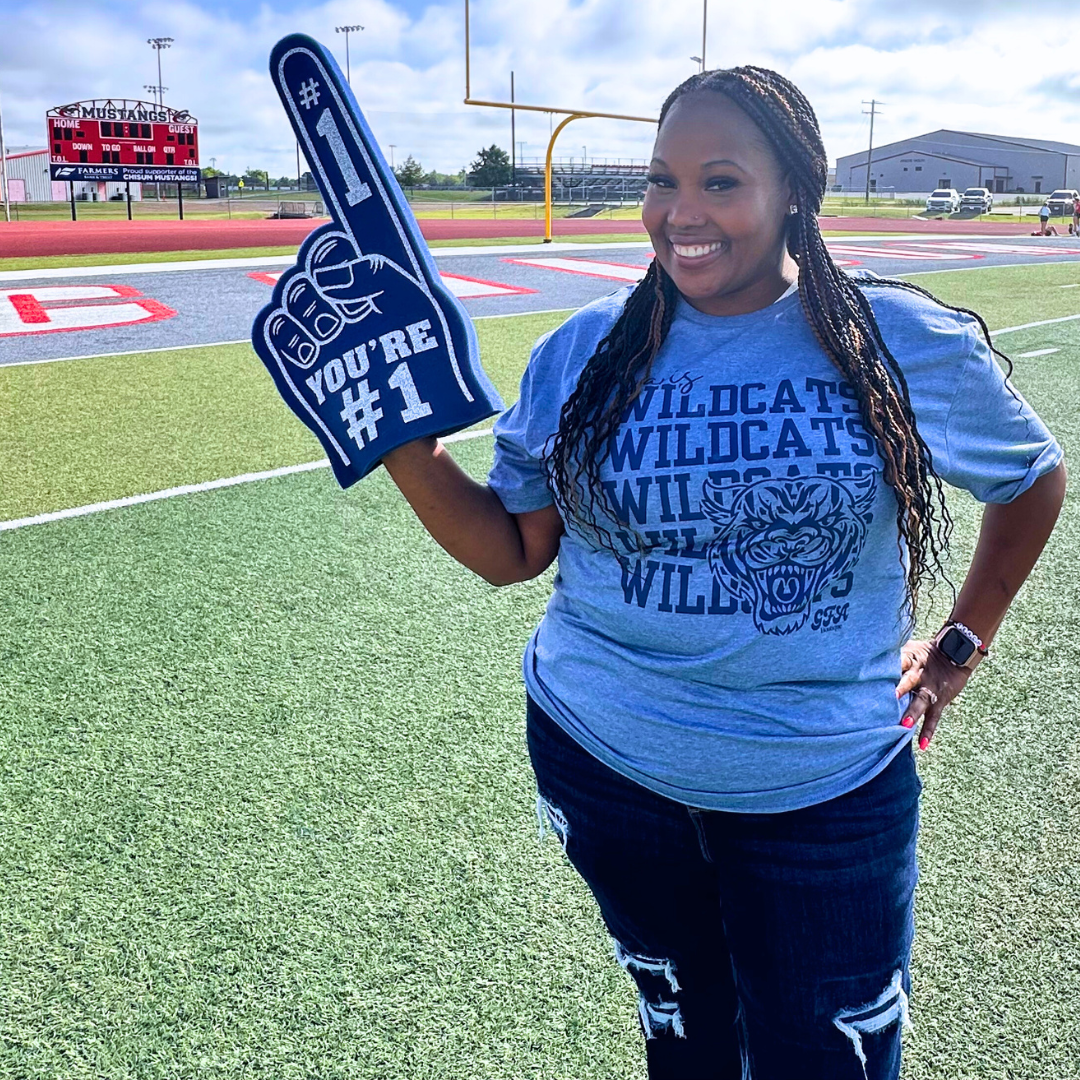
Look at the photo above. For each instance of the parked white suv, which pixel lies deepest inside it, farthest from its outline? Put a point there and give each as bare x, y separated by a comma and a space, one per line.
943, 201
1062, 201
977, 198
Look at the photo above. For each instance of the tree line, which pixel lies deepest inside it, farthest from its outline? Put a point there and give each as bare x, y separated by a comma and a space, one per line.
490, 169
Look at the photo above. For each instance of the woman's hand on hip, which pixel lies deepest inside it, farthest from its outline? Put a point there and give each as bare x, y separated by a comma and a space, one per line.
933, 681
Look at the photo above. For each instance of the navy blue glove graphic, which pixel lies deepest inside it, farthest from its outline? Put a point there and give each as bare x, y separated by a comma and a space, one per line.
365, 343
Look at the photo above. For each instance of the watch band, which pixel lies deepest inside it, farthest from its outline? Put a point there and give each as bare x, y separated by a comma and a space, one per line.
969, 634
960, 646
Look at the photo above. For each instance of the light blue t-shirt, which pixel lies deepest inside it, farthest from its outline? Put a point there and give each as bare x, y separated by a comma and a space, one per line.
742, 651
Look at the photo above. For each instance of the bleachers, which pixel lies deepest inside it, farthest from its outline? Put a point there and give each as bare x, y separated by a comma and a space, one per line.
597, 182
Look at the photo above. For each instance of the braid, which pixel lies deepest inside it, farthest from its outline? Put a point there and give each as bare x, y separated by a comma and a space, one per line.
836, 309
591, 415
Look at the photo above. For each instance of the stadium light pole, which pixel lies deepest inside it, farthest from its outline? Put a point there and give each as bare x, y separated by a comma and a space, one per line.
347, 30
157, 44
3, 172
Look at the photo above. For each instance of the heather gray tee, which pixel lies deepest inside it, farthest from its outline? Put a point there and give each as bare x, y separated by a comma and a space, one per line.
741, 651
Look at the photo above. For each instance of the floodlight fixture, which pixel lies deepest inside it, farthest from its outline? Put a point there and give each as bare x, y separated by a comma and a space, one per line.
347, 30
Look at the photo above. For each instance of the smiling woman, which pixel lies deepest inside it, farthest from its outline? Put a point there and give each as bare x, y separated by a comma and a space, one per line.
738, 456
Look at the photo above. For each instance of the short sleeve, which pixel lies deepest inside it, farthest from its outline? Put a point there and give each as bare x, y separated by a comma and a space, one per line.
996, 446
518, 475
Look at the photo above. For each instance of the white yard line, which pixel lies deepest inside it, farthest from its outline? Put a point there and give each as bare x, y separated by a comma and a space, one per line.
194, 489
1031, 325
1037, 352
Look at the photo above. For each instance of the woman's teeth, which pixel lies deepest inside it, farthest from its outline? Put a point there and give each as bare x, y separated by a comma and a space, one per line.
696, 251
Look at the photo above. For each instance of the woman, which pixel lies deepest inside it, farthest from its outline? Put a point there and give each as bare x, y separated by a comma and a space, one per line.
739, 464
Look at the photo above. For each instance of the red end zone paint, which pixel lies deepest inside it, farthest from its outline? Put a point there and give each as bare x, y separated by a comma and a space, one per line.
28, 309
53, 309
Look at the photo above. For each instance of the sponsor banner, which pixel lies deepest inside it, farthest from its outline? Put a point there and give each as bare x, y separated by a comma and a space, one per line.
134, 173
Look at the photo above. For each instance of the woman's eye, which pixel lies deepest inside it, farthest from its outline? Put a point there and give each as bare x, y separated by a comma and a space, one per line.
720, 183
659, 181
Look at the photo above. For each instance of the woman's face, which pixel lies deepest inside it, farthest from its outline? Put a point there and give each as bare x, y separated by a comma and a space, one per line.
716, 206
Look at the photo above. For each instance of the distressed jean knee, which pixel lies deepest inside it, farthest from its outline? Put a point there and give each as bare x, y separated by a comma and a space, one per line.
657, 985
888, 1009
551, 818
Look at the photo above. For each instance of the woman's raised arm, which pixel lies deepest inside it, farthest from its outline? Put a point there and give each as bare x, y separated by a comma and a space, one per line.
469, 520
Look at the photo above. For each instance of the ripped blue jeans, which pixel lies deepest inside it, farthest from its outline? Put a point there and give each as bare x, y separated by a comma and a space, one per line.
764, 946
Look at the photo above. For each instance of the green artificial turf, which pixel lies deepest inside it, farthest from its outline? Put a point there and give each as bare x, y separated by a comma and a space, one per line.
266, 806
148, 421
1009, 295
267, 810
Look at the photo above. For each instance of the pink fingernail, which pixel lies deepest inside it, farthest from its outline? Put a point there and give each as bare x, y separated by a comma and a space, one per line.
924, 742
908, 721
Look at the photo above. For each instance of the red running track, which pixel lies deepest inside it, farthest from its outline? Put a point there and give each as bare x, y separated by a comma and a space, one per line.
33, 238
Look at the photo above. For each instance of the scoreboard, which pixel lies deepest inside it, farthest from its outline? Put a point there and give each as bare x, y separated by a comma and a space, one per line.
116, 139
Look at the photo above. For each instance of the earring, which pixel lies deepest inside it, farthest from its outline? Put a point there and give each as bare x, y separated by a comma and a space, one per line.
793, 209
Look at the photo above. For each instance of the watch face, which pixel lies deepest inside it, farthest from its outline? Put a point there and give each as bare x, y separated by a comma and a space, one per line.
956, 647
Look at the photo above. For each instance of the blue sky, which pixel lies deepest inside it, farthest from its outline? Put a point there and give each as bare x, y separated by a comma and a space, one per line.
982, 67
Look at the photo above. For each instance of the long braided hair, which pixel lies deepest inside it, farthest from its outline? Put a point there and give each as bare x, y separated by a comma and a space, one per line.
836, 309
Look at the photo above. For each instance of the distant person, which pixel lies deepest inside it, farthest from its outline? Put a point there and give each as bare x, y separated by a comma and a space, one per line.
739, 464
1044, 219
1076, 217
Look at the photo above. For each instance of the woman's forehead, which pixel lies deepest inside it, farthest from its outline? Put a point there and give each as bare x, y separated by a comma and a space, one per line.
706, 122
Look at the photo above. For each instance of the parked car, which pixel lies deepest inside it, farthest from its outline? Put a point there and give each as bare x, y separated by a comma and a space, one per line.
943, 201
977, 198
1062, 201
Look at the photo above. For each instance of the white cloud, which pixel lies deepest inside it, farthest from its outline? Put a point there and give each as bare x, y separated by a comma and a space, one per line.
933, 65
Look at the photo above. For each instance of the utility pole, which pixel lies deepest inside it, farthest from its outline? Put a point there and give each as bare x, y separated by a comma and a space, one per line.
704, 27
873, 103
393, 147
513, 137
3, 172
347, 30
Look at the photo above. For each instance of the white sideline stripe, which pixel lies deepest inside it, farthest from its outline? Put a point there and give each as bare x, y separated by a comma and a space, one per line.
238, 341
116, 269
1037, 352
128, 352
1069, 286
194, 489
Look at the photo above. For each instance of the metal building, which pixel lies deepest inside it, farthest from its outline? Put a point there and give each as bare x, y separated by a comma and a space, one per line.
28, 181
962, 159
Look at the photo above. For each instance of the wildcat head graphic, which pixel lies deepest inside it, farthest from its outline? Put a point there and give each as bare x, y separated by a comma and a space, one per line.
781, 542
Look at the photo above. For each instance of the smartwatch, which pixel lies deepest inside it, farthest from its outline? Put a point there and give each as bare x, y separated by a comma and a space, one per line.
960, 645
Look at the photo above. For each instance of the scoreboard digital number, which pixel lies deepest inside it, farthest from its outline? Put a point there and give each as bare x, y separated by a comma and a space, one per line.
122, 140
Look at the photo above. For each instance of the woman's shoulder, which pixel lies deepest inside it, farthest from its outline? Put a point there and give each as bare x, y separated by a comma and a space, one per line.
910, 316
584, 329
